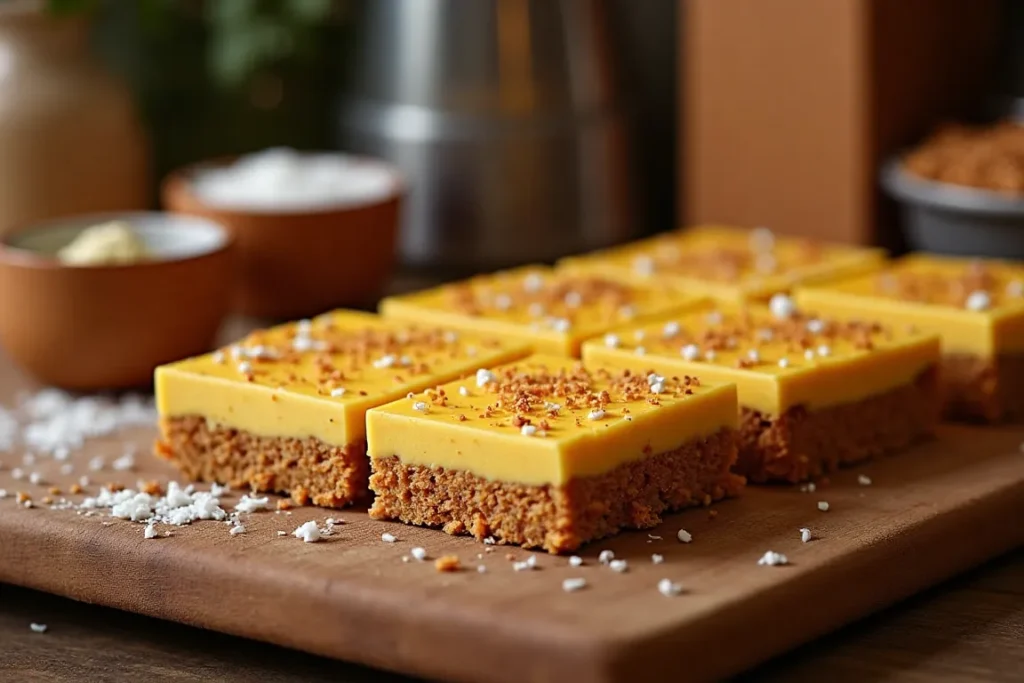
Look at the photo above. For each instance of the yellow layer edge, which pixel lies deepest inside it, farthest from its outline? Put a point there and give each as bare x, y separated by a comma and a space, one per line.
829, 382
507, 456
984, 334
272, 412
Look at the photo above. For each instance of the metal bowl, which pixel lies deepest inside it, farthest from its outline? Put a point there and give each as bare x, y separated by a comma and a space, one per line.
953, 219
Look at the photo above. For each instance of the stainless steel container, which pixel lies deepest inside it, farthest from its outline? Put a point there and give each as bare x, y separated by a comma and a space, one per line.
503, 116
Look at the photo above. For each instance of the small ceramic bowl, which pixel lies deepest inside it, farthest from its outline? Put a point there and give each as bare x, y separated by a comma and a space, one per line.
952, 219
87, 328
292, 264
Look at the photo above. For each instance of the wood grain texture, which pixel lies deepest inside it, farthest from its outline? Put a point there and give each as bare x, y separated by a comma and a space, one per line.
928, 515
969, 629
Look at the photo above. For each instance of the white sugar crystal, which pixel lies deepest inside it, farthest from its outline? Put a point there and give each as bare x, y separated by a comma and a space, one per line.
574, 584
690, 352
481, 569
282, 180
773, 559
809, 354
669, 589
643, 265
596, 414
824, 351
863, 480
684, 536
503, 302
388, 538
485, 377
3, 493
533, 282
815, 326
420, 406
250, 504
670, 330
657, 559
67, 469
619, 566
245, 367
606, 556
978, 300
125, 463
17, 473
308, 532
38, 628
823, 505
658, 388
782, 306
149, 531
783, 362
805, 535
418, 553
561, 325
612, 341
754, 356
528, 564
338, 391
35, 478
528, 430
463, 391
575, 561
573, 299
237, 530
710, 356
640, 351
385, 362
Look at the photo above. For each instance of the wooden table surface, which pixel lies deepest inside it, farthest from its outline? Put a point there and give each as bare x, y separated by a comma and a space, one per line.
970, 629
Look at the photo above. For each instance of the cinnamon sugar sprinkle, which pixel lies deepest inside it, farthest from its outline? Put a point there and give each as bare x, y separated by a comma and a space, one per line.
554, 301
978, 286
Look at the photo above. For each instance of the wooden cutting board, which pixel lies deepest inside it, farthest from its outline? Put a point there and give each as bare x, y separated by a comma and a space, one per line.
927, 515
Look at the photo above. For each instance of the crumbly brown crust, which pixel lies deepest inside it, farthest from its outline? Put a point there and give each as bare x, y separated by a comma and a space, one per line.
981, 389
557, 518
800, 444
306, 469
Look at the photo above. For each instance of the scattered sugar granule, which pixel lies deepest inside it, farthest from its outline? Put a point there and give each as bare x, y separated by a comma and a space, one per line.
67, 469
463, 391
38, 628
17, 473
690, 352
809, 487
150, 531
125, 463
754, 356
782, 306
824, 351
485, 377
863, 480
418, 553
308, 532
640, 351
481, 569
815, 326
809, 354
526, 565
36, 478
238, 529
490, 540
783, 362
388, 538
657, 559
823, 505
282, 533
619, 566
595, 414
710, 356
658, 388
612, 341
669, 589
805, 535
670, 330
250, 504
772, 559
3, 493
978, 300
573, 585
684, 536
217, 490
643, 265
447, 563
420, 406
575, 561
28, 459
338, 391
96, 464
606, 556
528, 430
654, 537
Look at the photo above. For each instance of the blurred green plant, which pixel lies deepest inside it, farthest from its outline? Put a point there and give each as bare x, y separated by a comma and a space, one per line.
243, 36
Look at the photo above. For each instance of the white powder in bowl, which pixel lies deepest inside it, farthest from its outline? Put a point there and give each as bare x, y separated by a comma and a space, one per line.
285, 180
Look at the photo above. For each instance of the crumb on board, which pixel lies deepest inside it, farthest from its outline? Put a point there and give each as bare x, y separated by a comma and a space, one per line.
447, 563
38, 628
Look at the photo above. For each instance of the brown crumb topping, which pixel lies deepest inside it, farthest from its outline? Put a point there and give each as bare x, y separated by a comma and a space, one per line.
447, 563
988, 157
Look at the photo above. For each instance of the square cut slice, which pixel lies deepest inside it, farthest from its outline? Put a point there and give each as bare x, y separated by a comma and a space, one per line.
543, 453
975, 306
813, 393
552, 312
284, 410
728, 264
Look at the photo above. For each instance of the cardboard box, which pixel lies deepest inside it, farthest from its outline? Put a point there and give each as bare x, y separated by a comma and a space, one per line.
789, 106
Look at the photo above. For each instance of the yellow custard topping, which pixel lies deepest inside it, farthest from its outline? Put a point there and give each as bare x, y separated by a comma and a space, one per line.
318, 378
728, 264
976, 306
546, 420
552, 312
778, 357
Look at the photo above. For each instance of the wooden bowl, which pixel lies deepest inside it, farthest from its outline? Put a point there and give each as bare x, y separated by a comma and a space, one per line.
296, 264
88, 328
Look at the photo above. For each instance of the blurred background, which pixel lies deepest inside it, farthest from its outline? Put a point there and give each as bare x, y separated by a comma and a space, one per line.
525, 130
